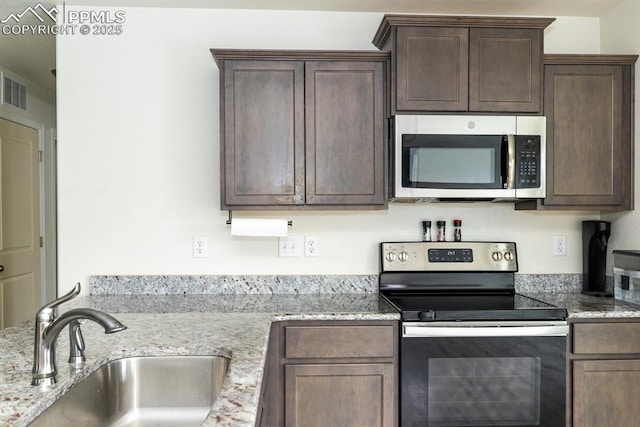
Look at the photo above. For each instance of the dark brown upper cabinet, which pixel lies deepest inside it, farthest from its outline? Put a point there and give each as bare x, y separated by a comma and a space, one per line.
263, 132
303, 129
458, 63
589, 107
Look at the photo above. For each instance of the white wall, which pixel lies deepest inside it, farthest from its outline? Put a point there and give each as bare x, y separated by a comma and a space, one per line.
620, 34
577, 35
139, 165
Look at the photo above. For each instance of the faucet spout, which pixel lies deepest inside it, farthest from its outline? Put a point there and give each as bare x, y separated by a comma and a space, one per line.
108, 322
48, 328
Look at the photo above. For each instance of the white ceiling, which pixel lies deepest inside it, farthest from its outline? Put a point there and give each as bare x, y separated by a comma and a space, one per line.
33, 57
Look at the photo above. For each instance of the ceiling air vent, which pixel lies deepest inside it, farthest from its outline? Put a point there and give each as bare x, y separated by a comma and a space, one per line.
14, 93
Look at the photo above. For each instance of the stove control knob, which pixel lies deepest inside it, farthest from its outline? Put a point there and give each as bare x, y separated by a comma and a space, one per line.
391, 256
508, 256
403, 256
496, 256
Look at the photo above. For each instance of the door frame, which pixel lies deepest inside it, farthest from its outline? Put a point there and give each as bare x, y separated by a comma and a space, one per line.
47, 175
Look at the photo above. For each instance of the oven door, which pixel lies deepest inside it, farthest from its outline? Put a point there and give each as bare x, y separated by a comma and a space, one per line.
483, 374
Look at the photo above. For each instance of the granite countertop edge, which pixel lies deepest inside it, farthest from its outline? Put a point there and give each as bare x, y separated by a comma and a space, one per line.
209, 325
242, 336
581, 306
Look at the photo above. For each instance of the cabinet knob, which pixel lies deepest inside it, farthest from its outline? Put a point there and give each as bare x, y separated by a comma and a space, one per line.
1, 268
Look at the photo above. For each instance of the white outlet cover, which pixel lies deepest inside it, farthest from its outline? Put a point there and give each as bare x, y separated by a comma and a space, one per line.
560, 245
311, 246
200, 247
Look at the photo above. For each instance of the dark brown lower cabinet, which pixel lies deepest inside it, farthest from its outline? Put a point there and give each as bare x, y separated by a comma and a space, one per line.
605, 373
605, 393
331, 373
339, 395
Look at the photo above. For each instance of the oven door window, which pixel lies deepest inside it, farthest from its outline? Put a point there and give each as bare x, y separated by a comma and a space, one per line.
488, 381
453, 161
484, 391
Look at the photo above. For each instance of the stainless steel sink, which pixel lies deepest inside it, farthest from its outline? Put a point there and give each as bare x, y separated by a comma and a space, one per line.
175, 391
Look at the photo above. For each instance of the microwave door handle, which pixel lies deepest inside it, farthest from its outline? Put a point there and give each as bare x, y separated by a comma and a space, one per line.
511, 161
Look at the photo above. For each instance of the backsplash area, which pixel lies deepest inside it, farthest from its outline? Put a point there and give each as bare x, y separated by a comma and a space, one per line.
291, 284
234, 284
553, 283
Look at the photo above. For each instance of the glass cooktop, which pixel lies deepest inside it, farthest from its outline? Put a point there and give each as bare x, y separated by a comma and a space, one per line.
468, 307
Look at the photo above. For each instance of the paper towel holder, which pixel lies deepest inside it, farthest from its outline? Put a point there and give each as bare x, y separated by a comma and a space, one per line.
289, 222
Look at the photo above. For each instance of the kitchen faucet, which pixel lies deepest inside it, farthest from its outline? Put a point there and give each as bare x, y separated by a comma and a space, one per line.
48, 328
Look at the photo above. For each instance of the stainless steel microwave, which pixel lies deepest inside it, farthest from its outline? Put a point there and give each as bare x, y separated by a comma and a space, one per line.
468, 158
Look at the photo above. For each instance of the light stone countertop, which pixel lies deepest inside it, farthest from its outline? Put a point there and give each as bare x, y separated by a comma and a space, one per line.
235, 326
581, 306
231, 325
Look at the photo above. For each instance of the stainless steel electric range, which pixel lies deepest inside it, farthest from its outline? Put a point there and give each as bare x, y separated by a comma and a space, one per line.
473, 351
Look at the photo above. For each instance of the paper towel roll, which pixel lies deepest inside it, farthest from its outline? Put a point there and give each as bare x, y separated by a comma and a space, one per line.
259, 227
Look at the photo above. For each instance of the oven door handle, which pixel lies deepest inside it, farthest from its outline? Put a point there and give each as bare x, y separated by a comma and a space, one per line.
479, 331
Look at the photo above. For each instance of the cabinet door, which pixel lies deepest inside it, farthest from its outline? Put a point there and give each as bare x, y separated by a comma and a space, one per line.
432, 69
345, 133
339, 395
505, 70
588, 154
263, 151
605, 393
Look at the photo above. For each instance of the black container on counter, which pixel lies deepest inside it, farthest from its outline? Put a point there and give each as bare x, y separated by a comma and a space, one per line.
595, 235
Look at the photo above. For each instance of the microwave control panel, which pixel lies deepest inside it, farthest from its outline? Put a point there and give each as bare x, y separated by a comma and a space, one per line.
528, 158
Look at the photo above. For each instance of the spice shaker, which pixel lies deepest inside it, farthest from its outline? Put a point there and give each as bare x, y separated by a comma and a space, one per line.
457, 230
426, 231
441, 230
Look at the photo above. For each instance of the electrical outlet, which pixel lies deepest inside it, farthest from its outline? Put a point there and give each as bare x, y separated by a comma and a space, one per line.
559, 245
311, 246
200, 247
290, 246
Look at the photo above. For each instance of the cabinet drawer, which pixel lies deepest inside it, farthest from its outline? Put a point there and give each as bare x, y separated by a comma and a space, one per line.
339, 341
606, 338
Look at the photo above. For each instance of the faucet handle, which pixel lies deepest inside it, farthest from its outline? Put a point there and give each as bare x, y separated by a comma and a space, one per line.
76, 343
67, 297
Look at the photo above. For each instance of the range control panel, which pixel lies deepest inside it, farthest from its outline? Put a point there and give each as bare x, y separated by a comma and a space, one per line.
448, 256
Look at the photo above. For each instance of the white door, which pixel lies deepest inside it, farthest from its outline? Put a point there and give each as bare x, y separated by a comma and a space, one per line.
19, 223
